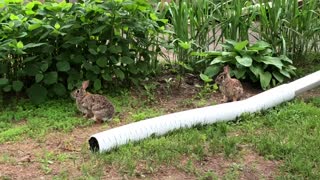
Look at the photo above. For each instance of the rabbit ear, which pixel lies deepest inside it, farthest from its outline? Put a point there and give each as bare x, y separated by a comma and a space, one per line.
85, 84
226, 68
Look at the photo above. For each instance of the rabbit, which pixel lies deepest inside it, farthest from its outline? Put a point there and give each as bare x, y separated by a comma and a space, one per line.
94, 106
230, 88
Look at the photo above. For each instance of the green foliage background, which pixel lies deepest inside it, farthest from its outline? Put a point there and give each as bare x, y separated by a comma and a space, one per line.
46, 49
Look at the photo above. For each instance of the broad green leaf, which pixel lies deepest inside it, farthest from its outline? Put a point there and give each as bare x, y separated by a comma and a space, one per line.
126, 60
240, 45
97, 84
77, 59
205, 78
76, 40
106, 76
17, 85
275, 61
115, 49
119, 74
102, 61
279, 77
245, 60
95, 69
231, 42
213, 53
63, 56
39, 77
57, 26
266, 52
212, 70
102, 48
50, 78
32, 69
3, 81
259, 45
59, 89
37, 93
256, 70
285, 58
219, 60
13, 17
93, 51
239, 72
63, 66
133, 69
44, 66
31, 45
32, 27
99, 29
153, 16
185, 66
20, 45
91, 75
29, 12
7, 88
30, 5
228, 54
285, 73
66, 26
265, 78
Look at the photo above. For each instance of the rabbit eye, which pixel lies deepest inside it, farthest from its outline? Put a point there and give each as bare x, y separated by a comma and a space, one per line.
78, 91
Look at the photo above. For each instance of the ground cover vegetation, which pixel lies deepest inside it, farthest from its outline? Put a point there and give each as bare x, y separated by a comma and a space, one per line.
150, 59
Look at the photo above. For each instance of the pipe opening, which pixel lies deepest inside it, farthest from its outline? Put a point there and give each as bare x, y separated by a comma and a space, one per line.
94, 145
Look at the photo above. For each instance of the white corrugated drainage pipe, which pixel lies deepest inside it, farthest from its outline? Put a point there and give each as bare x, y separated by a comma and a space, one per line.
105, 141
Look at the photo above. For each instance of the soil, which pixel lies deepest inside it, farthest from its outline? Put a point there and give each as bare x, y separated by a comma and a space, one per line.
27, 159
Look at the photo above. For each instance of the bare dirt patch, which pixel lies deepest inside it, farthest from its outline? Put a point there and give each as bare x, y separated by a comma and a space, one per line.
310, 94
248, 166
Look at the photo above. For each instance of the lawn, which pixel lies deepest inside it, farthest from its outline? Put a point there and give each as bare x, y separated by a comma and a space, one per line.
50, 141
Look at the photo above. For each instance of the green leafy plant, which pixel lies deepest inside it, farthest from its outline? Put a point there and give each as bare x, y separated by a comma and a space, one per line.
47, 48
255, 62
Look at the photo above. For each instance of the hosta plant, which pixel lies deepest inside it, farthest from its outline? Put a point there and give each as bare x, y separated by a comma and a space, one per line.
256, 62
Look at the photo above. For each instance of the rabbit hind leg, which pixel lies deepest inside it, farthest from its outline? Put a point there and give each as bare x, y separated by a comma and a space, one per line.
224, 99
87, 114
97, 119
99, 116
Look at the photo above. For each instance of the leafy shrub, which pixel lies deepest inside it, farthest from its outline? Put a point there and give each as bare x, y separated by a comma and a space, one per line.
256, 62
46, 49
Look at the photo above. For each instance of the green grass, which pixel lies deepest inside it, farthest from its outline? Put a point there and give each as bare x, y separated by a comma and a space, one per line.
30, 120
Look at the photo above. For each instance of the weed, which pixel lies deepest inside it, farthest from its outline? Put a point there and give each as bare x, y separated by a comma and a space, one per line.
141, 114
209, 176
92, 168
150, 90
6, 159
62, 175
206, 90
233, 172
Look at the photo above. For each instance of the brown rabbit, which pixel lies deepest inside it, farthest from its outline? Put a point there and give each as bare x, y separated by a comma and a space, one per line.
94, 106
230, 88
